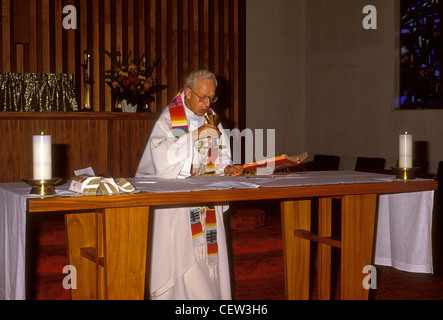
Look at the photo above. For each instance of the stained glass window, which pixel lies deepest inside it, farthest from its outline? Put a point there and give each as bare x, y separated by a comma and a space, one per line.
420, 82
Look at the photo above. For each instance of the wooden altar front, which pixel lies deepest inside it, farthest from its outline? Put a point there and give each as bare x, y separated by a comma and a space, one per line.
107, 235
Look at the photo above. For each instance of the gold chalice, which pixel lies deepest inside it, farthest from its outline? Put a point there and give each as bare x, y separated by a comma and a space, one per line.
213, 119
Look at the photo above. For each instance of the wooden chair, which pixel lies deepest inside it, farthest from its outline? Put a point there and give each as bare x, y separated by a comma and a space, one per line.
437, 223
366, 164
324, 162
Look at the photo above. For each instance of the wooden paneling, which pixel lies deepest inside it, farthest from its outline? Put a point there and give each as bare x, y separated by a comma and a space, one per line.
96, 241
188, 34
127, 143
358, 211
82, 232
20, 8
111, 143
296, 215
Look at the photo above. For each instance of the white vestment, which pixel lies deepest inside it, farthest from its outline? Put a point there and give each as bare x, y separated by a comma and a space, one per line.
176, 272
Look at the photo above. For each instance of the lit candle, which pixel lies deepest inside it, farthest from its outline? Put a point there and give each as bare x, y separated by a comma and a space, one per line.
89, 66
42, 157
405, 150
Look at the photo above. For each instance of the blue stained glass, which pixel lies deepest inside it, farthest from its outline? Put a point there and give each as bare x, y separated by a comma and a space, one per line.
420, 55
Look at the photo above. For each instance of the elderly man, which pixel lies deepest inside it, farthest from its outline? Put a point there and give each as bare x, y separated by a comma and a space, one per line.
189, 254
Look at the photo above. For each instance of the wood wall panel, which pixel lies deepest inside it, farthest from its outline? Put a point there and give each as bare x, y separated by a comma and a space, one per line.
111, 143
188, 34
129, 141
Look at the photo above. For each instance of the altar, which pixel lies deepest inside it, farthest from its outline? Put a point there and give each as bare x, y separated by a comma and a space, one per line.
385, 221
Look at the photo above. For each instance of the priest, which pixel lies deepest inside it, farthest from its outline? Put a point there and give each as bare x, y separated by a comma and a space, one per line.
189, 258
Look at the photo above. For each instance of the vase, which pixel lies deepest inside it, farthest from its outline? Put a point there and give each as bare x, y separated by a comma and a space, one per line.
127, 107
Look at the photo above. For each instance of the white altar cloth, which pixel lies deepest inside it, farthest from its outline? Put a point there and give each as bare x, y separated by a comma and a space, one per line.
403, 232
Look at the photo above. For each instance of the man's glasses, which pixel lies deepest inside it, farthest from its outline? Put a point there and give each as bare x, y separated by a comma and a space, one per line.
205, 98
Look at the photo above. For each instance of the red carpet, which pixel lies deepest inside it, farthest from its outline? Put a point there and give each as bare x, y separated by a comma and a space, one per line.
257, 255
256, 246
51, 259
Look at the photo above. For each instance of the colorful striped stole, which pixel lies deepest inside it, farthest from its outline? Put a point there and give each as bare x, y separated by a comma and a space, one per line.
178, 117
210, 235
200, 237
196, 226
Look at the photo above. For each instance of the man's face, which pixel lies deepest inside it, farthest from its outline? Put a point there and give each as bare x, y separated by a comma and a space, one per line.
197, 98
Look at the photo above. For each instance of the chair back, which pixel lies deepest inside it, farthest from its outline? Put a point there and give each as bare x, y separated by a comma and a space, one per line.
324, 162
437, 223
366, 164
439, 177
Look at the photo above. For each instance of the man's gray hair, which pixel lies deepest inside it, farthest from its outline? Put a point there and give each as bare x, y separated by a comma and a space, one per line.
193, 77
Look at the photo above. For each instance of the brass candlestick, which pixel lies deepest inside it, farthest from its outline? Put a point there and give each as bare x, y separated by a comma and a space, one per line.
87, 83
87, 106
43, 187
405, 173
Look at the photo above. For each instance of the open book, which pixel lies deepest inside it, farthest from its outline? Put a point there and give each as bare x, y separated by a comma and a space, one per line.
275, 163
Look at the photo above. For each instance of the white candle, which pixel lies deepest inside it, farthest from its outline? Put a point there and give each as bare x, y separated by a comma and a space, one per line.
405, 150
42, 157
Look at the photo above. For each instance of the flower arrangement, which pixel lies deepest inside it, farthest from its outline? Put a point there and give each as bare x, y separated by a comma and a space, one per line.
132, 81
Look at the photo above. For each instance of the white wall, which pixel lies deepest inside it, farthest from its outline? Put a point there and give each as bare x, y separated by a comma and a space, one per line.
275, 71
329, 86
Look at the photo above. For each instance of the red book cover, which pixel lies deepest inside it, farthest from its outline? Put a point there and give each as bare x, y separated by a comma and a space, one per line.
279, 162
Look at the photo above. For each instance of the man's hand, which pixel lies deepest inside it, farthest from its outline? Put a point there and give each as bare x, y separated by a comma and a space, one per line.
208, 130
234, 170
205, 131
